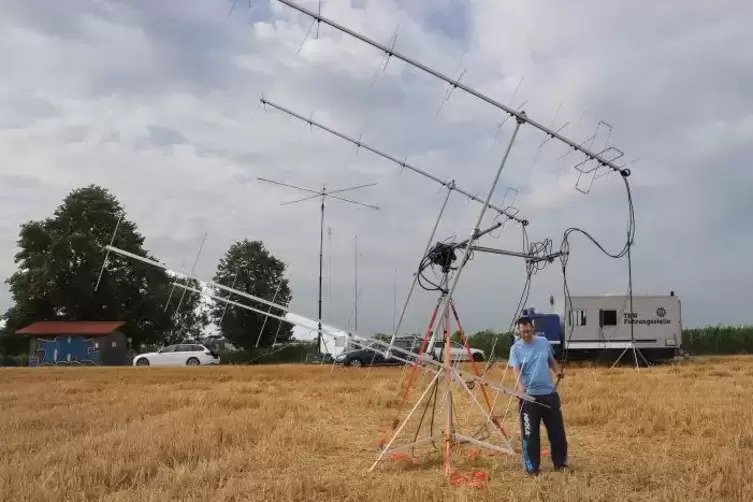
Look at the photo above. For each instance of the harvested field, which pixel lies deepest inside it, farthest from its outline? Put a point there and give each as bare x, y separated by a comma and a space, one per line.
292, 433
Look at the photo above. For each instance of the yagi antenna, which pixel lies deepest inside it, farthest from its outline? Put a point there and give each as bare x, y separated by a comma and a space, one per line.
520, 116
357, 142
366, 342
323, 193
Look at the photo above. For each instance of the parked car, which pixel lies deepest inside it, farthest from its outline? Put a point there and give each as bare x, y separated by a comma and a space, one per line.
458, 352
182, 354
369, 357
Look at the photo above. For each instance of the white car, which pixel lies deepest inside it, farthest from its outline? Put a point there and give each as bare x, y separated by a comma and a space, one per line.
182, 354
458, 352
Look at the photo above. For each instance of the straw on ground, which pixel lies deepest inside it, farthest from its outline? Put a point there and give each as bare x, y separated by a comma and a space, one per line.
292, 433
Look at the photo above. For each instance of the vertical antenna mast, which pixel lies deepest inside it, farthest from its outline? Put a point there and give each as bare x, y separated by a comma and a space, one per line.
355, 296
323, 193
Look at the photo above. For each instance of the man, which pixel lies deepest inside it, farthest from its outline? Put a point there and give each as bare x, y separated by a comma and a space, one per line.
532, 359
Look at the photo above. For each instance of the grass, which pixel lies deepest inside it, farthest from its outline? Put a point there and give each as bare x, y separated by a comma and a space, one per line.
292, 433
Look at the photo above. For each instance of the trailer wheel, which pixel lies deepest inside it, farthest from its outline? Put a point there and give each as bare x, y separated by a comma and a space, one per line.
478, 357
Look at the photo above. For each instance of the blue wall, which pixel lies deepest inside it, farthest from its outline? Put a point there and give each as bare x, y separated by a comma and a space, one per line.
80, 349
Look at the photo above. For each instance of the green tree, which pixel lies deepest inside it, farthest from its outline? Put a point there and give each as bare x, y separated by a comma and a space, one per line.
254, 270
189, 314
59, 263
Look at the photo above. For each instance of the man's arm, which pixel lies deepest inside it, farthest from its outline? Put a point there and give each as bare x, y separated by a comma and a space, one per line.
556, 367
514, 363
554, 364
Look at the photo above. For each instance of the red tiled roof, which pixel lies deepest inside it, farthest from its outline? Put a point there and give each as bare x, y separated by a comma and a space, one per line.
92, 328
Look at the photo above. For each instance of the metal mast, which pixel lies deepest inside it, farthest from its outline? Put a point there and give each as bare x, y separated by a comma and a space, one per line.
323, 193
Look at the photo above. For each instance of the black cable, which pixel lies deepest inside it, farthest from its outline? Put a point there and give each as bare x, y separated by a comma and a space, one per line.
565, 249
441, 255
533, 265
544, 248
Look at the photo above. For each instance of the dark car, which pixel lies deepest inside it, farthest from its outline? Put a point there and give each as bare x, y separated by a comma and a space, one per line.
375, 356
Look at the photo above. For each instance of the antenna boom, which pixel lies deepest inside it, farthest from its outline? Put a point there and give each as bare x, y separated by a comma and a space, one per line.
456, 83
358, 143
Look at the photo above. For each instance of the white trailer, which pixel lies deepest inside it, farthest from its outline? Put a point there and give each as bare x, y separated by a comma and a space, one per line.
602, 323
334, 341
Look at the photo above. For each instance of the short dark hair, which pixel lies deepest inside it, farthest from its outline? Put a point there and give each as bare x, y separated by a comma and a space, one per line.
523, 320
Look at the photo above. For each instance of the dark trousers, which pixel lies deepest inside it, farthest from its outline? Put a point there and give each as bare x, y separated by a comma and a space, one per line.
531, 416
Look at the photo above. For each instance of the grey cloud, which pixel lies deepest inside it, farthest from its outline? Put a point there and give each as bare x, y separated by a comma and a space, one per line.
631, 74
165, 136
22, 110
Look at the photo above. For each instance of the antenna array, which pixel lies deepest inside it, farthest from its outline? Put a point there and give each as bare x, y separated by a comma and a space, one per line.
593, 161
598, 157
507, 212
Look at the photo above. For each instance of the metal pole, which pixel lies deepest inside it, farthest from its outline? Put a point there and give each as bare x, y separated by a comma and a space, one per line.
517, 254
475, 230
415, 275
321, 254
263, 325
180, 302
107, 254
224, 311
355, 326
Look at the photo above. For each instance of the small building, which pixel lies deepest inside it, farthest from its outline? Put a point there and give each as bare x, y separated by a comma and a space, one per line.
93, 343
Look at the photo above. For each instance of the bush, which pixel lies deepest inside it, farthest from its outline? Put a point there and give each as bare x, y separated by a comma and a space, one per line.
711, 340
718, 340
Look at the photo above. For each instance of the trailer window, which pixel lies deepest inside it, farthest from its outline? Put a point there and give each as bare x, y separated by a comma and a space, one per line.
579, 316
607, 317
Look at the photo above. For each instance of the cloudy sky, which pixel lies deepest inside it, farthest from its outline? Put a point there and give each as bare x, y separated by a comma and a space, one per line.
159, 102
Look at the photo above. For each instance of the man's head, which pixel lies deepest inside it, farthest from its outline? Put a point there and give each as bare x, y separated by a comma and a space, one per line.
525, 328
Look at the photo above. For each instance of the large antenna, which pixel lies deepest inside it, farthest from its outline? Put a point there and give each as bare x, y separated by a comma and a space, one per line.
520, 116
448, 184
323, 193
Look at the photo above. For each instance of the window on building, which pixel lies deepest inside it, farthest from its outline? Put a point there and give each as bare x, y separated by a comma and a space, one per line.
576, 317
114, 344
607, 317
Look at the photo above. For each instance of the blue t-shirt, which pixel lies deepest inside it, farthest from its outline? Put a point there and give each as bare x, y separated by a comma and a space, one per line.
536, 375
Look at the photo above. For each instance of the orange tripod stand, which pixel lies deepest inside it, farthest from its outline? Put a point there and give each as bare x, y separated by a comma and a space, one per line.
449, 436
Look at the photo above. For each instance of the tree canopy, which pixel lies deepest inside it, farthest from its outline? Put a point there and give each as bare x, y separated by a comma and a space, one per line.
254, 270
59, 264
